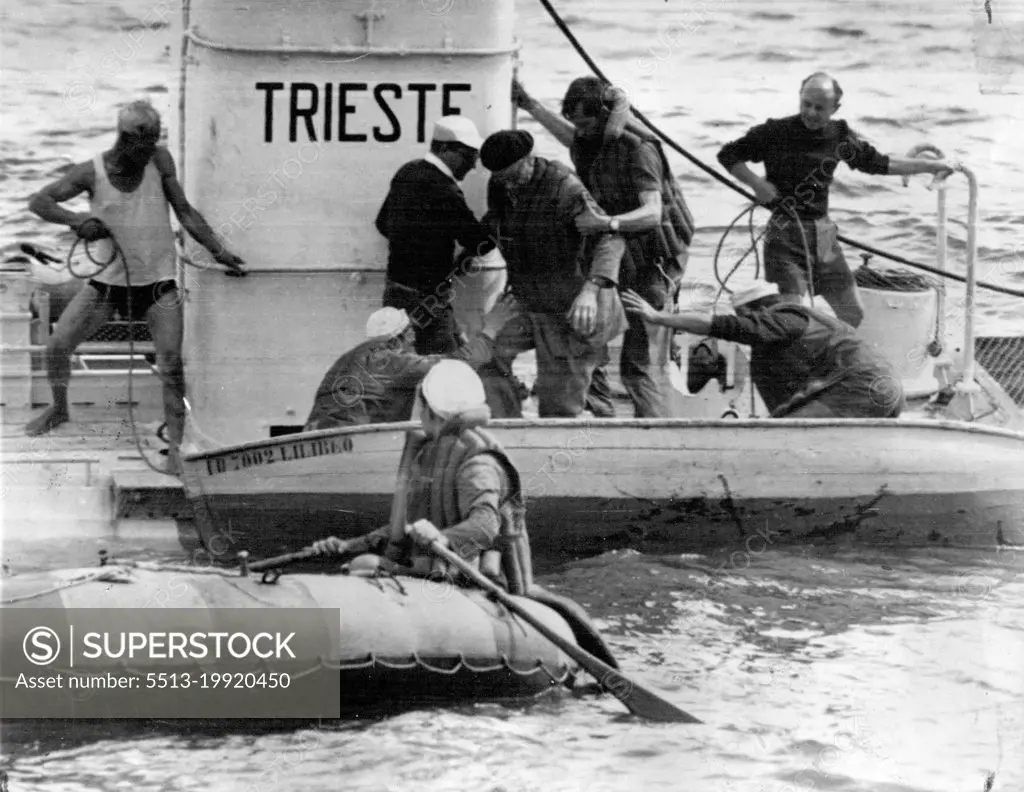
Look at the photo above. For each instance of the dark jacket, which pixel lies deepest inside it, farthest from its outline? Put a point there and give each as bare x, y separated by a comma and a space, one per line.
375, 384
423, 216
798, 355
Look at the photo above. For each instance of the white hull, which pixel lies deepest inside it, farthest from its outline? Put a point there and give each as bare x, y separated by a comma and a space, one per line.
687, 484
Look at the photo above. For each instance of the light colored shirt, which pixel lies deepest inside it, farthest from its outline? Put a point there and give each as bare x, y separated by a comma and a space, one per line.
141, 223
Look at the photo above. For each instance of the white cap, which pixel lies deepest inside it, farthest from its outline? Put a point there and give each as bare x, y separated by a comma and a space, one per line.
756, 292
457, 129
386, 322
451, 387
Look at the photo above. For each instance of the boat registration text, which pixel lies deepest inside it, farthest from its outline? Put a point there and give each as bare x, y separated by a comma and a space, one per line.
288, 452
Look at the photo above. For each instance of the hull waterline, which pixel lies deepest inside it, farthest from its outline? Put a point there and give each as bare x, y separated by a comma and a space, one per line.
680, 485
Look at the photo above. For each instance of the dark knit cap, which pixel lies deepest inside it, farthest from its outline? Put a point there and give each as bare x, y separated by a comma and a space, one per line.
504, 148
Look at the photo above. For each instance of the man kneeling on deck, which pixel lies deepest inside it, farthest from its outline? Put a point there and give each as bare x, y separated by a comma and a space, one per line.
376, 381
805, 364
456, 485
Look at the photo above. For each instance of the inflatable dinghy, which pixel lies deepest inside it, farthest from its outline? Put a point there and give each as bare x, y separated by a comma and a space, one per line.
403, 640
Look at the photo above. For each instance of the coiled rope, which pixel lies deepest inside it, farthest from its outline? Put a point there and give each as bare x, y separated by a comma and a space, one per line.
560, 23
116, 252
749, 213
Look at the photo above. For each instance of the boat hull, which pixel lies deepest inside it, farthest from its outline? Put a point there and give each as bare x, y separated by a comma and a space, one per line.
678, 485
402, 641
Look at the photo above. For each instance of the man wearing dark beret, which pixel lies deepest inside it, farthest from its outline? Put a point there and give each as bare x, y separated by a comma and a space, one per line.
563, 267
623, 168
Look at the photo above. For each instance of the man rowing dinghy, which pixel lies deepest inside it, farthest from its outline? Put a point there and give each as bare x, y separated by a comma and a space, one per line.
376, 381
800, 155
456, 485
804, 363
131, 187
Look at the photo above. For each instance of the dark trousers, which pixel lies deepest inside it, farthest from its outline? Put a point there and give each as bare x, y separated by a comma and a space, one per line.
565, 362
643, 365
432, 317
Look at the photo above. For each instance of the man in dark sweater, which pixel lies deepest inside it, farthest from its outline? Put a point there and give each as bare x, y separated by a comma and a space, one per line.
804, 363
423, 216
800, 155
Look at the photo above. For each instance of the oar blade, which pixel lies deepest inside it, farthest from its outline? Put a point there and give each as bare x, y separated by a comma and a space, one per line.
642, 702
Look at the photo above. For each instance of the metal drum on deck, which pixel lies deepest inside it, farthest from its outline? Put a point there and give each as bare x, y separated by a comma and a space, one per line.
901, 325
291, 126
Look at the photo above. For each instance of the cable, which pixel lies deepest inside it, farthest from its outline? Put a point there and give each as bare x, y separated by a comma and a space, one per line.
560, 23
116, 252
809, 261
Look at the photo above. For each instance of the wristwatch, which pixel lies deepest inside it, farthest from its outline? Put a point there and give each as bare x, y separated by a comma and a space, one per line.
613, 225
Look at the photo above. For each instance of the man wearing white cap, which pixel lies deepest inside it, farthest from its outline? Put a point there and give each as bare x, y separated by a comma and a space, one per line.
423, 216
376, 381
805, 364
131, 187
456, 485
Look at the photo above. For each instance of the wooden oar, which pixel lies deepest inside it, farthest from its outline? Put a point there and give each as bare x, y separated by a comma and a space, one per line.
638, 699
282, 560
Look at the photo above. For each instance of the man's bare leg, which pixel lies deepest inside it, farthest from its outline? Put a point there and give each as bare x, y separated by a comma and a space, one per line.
87, 312
166, 330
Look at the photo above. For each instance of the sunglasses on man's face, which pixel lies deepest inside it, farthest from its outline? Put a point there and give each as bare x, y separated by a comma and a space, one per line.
142, 137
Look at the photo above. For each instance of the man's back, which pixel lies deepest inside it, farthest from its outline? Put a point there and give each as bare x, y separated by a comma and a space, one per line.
422, 217
368, 384
827, 357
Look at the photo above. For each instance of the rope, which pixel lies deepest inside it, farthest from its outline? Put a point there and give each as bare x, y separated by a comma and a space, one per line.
414, 661
560, 23
116, 252
108, 575
749, 211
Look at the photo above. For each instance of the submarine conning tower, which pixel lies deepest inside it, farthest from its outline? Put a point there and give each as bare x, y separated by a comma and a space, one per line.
291, 121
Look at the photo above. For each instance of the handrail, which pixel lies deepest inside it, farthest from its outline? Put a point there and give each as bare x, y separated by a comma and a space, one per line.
941, 241
969, 384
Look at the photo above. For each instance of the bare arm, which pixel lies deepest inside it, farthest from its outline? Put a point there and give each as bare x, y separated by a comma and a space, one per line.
189, 217
764, 190
561, 128
46, 202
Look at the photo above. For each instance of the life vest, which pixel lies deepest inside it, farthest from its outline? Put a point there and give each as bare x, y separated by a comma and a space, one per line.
428, 489
612, 167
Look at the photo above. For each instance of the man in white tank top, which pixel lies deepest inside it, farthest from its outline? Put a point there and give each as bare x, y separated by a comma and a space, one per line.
131, 187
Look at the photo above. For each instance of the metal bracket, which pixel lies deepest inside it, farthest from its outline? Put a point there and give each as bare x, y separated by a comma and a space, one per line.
368, 18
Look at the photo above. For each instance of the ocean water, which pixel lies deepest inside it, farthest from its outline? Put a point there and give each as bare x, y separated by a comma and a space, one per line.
817, 667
